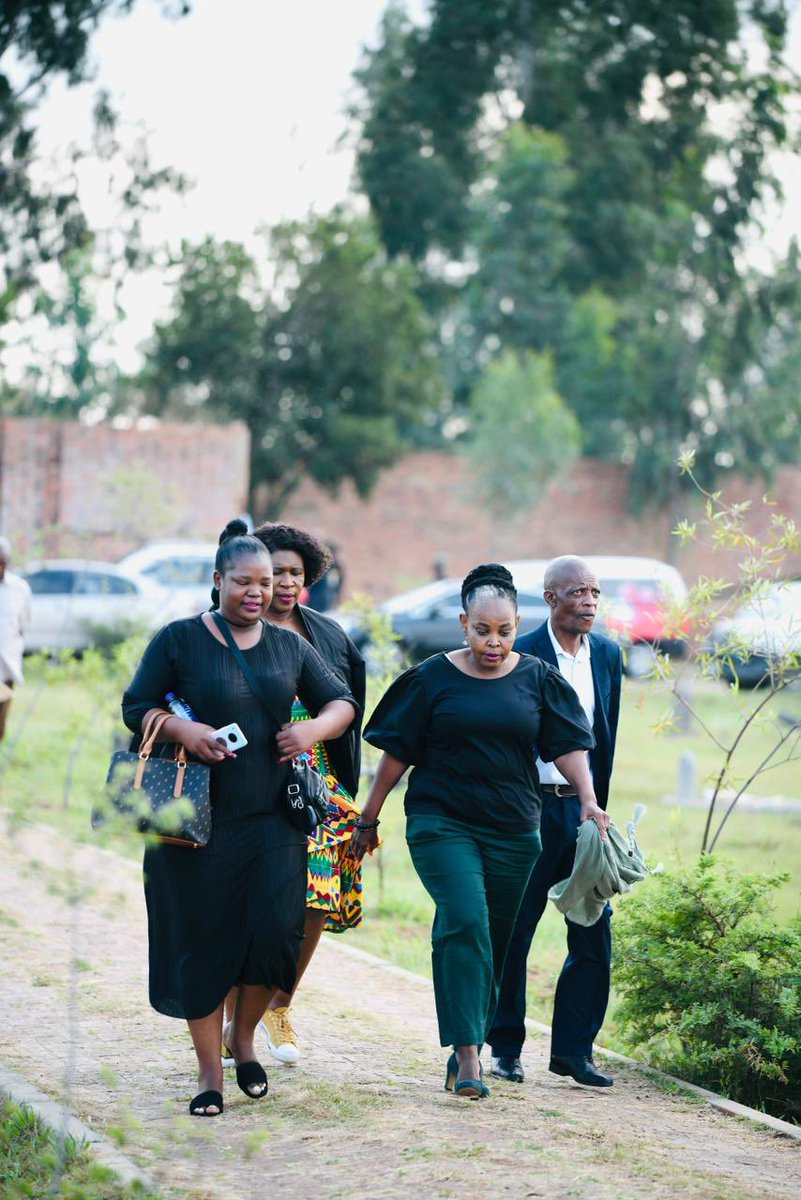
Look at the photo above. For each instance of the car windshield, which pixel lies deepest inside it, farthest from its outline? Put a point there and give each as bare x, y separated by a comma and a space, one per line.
633, 591
96, 583
440, 593
51, 583
182, 571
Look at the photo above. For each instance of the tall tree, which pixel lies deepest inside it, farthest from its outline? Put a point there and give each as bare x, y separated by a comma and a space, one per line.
41, 218
333, 374
524, 435
205, 359
594, 170
628, 85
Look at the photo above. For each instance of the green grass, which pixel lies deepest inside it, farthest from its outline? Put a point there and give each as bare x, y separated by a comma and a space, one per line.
75, 718
35, 1163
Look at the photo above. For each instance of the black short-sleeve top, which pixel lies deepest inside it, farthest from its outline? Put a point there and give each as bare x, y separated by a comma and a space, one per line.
185, 658
473, 743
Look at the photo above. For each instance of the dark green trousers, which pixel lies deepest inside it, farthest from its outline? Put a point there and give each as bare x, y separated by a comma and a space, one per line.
476, 878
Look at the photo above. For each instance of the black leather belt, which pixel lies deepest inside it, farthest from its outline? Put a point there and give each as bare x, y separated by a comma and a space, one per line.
562, 790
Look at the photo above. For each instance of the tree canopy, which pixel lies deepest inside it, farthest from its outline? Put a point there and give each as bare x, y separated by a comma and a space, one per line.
596, 171
334, 369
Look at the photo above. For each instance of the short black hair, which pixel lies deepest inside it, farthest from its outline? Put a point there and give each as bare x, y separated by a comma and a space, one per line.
492, 578
317, 557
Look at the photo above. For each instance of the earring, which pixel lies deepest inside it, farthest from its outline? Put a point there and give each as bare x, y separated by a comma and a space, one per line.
465, 640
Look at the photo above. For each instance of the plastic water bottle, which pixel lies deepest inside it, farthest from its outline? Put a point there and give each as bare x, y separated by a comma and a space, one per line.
179, 707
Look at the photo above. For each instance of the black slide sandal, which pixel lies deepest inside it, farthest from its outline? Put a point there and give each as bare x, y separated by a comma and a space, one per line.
249, 1074
203, 1101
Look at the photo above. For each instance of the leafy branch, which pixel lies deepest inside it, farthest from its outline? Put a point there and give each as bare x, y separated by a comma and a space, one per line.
715, 649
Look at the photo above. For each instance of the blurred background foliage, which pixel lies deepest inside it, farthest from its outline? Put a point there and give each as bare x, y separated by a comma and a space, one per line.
575, 184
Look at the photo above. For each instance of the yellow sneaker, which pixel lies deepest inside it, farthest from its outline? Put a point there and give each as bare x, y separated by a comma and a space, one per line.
280, 1036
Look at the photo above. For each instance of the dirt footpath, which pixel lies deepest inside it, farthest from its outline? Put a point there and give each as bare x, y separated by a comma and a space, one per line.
364, 1113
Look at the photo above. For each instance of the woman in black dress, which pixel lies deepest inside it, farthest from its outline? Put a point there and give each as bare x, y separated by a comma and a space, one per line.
471, 722
232, 912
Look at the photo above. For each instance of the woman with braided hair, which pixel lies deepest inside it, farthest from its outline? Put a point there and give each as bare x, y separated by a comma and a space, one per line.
471, 723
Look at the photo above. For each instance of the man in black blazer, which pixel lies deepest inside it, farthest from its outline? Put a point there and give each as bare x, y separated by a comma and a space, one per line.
593, 665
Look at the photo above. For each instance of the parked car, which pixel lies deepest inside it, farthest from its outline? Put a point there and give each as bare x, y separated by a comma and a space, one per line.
636, 596
752, 644
184, 568
78, 603
426, 619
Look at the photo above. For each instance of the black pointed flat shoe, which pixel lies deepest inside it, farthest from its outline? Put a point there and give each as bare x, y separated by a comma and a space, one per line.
251, 1074
583, 1070
200, 1105
507, 1066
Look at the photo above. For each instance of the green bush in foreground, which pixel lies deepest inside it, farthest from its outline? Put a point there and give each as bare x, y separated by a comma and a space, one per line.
35, 1163
711, 987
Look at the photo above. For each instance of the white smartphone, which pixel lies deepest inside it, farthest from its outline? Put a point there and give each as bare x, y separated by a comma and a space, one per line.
231, 736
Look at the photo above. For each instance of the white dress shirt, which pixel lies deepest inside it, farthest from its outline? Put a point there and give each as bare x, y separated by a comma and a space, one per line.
578, 673
15, 616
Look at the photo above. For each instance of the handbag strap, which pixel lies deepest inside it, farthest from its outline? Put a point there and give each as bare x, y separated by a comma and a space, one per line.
149, 735
151, 732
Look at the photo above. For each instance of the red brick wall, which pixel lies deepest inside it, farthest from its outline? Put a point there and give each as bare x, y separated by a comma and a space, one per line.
427, 506
57, 495
68, 488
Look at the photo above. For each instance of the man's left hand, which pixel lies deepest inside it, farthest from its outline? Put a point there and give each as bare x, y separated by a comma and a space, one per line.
591, 811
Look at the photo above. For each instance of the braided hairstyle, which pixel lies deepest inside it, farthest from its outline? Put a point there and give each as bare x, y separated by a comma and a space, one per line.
488, 579
317, 558
234, 543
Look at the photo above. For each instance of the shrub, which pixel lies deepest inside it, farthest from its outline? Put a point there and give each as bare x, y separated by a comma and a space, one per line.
711, 987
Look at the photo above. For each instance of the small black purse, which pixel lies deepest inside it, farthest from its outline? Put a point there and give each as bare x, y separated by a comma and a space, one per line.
307, 792
307, 796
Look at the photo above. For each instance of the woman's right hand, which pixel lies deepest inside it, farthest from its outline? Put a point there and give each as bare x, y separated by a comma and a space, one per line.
199, 741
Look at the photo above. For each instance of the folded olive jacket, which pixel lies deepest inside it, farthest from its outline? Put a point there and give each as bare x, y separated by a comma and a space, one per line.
602, 869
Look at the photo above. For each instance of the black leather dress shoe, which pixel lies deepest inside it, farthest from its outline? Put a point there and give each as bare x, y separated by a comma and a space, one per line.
507, 1067
583, 1070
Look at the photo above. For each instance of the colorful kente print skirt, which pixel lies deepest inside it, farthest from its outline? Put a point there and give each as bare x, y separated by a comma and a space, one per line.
335, 879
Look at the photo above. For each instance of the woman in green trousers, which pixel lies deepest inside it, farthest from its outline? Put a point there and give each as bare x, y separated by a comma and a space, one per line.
471, 723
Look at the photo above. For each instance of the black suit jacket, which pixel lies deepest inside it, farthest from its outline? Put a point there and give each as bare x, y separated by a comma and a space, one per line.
606, 662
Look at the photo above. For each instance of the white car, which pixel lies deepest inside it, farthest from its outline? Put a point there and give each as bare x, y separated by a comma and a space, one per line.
78, 603
184, 568
760, 636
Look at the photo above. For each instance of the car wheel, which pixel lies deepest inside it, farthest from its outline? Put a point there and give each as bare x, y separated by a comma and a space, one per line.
748, 673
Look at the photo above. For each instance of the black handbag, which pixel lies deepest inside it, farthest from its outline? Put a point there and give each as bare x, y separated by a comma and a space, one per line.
307, 793
168, 797
307, 796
